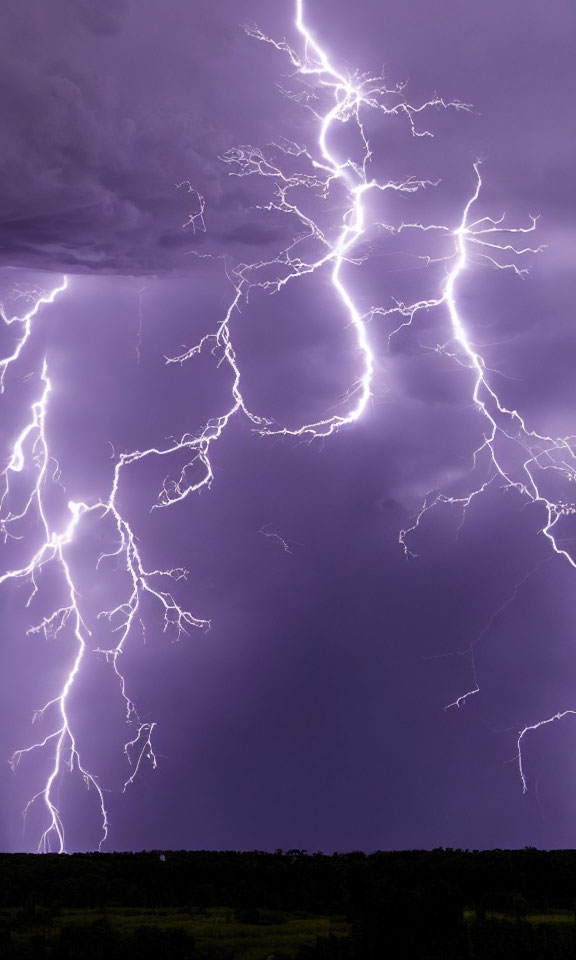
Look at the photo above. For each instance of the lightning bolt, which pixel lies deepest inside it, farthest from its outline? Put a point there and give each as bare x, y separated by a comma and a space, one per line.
489, 240
26, 323
33, 500
473, 242
27, 506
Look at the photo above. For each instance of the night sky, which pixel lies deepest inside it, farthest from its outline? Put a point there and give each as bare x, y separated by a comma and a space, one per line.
312, 713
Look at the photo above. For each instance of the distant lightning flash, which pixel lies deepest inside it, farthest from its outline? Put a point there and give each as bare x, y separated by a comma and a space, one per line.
32, 496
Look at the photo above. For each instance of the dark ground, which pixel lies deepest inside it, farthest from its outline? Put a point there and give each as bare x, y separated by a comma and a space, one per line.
435, 905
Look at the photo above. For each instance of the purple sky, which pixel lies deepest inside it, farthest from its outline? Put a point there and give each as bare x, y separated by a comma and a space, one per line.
312, 713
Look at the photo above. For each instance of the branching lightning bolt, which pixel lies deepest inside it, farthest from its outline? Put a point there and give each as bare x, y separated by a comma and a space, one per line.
31, 480
488, 239
483, 240
31, 456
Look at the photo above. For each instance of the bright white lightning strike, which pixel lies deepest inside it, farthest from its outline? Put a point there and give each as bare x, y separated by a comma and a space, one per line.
541, 453
333, 99
31, 450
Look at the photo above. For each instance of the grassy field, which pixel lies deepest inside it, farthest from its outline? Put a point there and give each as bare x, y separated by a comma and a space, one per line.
550, 916
271, 934
274, 932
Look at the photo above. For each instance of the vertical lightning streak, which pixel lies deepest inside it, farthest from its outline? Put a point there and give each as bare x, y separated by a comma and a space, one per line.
51, 550
347, 98
542, 453
31, 457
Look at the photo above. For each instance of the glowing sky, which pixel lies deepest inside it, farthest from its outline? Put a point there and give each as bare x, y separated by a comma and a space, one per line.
312, 713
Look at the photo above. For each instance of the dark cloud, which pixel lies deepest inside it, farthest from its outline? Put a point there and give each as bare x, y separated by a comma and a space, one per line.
106, 106
98, 130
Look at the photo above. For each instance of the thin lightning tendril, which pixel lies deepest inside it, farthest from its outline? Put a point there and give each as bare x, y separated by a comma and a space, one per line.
333, 99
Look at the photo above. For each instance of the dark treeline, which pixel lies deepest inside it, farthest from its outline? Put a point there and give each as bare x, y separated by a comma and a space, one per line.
291, 880
417, 899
